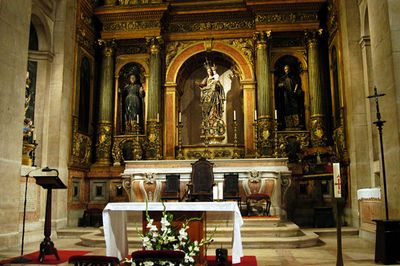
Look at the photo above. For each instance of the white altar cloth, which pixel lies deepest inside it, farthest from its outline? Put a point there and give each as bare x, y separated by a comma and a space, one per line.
115, 220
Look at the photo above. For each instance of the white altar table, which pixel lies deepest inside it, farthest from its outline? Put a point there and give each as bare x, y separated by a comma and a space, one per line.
115, 222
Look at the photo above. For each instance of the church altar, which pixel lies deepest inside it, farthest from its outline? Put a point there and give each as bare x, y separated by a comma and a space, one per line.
145, 180
115, 222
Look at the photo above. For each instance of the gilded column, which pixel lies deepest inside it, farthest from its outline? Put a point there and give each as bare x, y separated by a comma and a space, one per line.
170, 120
154, 136
104, 125
265, 126
249, 105
317, 117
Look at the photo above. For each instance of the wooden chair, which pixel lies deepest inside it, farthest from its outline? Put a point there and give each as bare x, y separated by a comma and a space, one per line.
259, 198
174, 256
201, 183
91, 260
231, 188
172, 190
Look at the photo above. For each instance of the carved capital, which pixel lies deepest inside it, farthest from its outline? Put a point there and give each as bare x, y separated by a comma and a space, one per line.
155, 44
108, 46
261, 37
312, 37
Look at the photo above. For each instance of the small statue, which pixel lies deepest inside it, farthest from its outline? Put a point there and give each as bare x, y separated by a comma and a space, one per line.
291, 96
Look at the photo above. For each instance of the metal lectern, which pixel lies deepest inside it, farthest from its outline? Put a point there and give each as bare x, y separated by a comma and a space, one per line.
49, 183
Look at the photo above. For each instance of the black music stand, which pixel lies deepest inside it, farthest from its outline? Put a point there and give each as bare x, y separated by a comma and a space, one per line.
49, 183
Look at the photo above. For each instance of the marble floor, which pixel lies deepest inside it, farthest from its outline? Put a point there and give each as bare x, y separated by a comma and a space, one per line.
356, 251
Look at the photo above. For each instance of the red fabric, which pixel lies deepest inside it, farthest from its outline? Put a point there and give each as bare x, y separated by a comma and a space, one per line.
48, 259
245, 261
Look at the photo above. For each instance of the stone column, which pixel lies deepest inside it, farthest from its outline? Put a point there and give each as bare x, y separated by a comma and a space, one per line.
265, 124
317, 117
154, 137
104, 126
371, 145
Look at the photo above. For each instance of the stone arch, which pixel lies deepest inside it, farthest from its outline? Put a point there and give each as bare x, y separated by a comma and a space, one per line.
298, 55
246, 71
364, 20
42, 30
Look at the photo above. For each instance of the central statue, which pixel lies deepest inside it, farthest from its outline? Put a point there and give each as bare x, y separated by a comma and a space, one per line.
212, 100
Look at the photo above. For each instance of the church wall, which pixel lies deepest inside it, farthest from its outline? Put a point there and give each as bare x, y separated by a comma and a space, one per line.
394, 9
55, 22
384, 31
14, 23
354, 105
61, 87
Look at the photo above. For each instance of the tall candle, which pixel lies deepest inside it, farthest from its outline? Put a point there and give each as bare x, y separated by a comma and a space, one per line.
255, 114
179, 117
234, 115
158, 117
276, 114
137, 119
220, 190
215, 192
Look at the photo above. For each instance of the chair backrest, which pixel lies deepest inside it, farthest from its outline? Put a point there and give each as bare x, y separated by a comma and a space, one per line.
202, 178
81, 260
172, 183
231, 184
175, 256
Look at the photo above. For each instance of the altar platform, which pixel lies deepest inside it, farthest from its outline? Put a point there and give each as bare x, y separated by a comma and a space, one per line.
145, 180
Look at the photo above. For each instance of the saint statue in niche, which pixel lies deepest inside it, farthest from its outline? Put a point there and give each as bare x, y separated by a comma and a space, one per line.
290, 100
133, 103
212, 100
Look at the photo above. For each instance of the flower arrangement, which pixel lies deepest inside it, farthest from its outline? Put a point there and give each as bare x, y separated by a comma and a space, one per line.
170, 237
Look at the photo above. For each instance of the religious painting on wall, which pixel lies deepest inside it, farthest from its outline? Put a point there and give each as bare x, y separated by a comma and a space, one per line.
131, 99
289, 95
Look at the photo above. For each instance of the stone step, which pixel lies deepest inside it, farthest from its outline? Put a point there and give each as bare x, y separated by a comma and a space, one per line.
256, 233
301, 240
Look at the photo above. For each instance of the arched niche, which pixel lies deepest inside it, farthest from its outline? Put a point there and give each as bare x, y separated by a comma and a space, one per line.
191, 74
243, 64
299, 66
124, 72
173, 91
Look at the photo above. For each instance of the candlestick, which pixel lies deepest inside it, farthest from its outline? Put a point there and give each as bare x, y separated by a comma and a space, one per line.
234, 115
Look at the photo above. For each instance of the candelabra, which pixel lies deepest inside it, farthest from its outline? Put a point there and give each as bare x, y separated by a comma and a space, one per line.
137, 154
255, 124
179, 155
276, 142
236, 154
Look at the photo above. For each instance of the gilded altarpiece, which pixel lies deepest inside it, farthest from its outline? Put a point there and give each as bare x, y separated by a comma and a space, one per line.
191, 37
